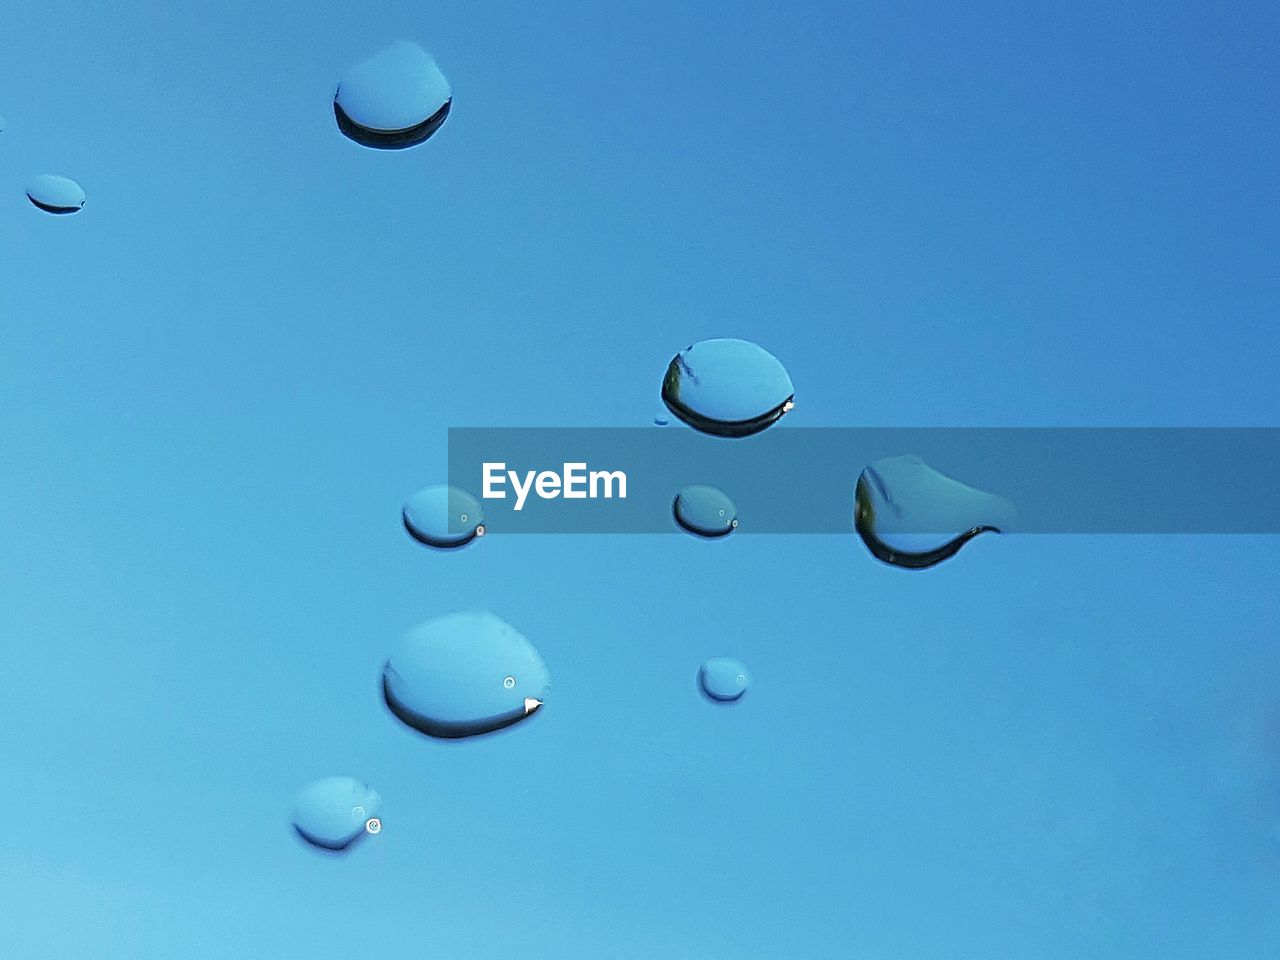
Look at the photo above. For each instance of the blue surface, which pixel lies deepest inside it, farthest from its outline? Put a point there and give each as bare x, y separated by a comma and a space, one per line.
220, 380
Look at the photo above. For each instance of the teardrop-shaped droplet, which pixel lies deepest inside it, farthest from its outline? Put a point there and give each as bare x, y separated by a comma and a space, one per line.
395, 99
705, 510
910, 515
723, 679
443, 516
334, 812
54, 194
464, 674
729, 388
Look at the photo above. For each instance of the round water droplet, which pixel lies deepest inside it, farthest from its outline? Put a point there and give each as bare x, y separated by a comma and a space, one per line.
443, 516
910, 515
331, 812
447, 678
729, 388
54, 194
723, 679
395, 99
705, 510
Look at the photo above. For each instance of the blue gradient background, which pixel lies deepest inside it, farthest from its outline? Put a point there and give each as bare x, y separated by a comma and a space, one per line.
218, 382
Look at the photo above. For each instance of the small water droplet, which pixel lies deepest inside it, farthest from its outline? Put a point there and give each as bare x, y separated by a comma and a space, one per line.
331, 812
723, 679
440, 679
508, 682
395, 99
443, 516
661, 421
910, 515
729, 388
54, 194
705, 510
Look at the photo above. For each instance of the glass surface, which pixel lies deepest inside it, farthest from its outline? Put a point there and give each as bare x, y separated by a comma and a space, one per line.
221, 379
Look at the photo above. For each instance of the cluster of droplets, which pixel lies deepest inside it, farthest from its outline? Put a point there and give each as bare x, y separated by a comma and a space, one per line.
469, 674
464, 674
907, 513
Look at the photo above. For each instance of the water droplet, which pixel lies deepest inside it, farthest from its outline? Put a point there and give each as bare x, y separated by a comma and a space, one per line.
910, 515
443, 516
723, 679
331, 812
447, 676
661, 420
508, 682
395, 99
730, 388
705, 510
54, 194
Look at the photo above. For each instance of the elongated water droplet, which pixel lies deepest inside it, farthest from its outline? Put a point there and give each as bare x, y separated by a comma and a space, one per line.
395, 99
910, 515
705, 510
729, 388
463, 674
332, 812
54, 194
723, 679
443, 516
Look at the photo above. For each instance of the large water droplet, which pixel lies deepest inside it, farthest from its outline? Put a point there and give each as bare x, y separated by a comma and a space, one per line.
395, 99
464, 674
443, 516
54, 194
333, 812
723, 679
705, 510
910, 515
730, 388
